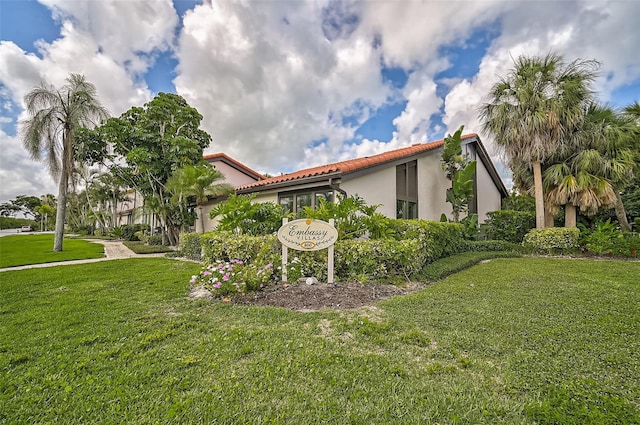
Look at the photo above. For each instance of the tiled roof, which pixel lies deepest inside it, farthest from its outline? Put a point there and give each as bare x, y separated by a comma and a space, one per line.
224, 157
351, 165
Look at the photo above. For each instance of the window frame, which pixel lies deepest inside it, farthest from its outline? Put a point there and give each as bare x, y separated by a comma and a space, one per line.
313, 193
407, 202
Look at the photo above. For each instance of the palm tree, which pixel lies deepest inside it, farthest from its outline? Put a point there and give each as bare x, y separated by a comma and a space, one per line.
633, 111
197, 181
48, 135
531, 110
612, 134
589, 168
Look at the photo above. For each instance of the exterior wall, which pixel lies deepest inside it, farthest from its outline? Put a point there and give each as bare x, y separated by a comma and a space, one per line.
209, 224
378, 187
266, 197
232, 176
489, 198
432, 188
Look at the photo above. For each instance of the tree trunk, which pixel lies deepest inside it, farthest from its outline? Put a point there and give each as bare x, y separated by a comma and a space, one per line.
63, 186
62, 209
570, 215
201, 218
621, 214
539, 194
548, 218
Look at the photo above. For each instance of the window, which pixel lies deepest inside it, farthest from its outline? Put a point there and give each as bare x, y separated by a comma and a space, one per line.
407, 190
295, 202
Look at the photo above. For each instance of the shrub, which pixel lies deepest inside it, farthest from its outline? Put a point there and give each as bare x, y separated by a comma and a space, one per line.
382, 259
606, 239
191, 246
239, 214
553, 240
155, 239
508, 225
226, 246
232, 277
456, 263
435, 239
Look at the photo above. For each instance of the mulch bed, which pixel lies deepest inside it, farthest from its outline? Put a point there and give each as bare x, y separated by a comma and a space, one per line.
340, 296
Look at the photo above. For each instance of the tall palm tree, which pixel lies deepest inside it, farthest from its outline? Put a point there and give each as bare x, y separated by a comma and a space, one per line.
539, 102
198, 181
48, 135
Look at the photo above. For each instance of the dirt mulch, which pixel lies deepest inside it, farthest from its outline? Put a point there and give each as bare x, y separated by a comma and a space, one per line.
340, 296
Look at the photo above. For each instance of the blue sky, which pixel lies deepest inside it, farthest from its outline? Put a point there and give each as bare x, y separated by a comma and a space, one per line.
287, 85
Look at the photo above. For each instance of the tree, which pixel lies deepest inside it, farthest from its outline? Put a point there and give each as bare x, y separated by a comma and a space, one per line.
197, 181
49, 133
155, 140
460, 171
593, 165
534, 107
28, 204
44, 211
9, 209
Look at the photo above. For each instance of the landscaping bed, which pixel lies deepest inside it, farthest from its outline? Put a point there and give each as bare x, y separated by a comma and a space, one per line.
303, 297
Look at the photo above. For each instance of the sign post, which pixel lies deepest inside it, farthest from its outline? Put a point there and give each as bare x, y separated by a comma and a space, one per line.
307, 235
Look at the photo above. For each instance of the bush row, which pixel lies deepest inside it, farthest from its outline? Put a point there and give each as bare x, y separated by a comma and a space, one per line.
415, 244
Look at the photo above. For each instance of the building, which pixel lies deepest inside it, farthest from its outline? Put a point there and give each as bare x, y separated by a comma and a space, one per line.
407, 182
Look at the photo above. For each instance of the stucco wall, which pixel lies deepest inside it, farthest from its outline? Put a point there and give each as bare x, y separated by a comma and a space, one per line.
378, 187
231, 175
432, 187
489, 198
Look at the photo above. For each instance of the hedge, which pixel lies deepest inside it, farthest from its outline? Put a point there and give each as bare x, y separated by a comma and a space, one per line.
552, 240
190, 246
416, 243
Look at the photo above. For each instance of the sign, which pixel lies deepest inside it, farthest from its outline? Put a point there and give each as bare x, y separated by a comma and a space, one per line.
307, 234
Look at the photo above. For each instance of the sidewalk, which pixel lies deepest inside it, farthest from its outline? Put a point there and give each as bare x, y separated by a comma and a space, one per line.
113, 250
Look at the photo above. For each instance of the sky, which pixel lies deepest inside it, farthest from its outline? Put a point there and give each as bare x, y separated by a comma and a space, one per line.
286, 85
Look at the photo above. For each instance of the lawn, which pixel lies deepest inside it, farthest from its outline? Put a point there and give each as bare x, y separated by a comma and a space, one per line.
19, 250
509, 341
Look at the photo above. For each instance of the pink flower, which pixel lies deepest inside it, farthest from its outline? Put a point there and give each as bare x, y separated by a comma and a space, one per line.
206, 273
217, 285
268, 266
226, 276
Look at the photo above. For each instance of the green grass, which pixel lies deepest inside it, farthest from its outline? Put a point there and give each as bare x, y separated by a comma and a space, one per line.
142, 248
20, 250
516, 341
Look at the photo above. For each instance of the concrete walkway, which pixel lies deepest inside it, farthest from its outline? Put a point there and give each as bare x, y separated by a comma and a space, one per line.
113, 250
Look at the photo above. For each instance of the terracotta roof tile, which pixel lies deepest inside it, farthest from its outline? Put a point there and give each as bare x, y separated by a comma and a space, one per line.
351, 165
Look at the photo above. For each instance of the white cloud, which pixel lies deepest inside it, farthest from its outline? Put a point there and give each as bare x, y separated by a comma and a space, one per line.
19, 175
270, 78
111, 43
269, 82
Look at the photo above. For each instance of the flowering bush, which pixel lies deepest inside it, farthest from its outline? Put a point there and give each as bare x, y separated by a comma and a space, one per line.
231, 277
295, 270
